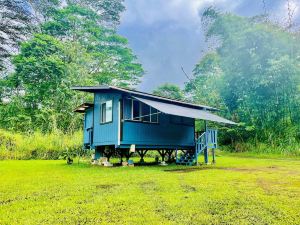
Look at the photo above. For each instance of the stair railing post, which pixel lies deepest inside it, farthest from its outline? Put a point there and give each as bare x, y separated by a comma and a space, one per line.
206, 146
196, 152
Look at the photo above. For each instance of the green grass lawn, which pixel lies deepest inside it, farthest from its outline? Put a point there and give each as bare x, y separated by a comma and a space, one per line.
235, 191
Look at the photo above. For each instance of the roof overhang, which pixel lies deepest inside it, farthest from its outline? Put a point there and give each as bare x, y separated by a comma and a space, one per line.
184, 111
83, 107
93, 89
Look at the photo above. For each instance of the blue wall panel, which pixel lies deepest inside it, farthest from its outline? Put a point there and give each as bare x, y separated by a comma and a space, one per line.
88, 123
106, 134
169, 131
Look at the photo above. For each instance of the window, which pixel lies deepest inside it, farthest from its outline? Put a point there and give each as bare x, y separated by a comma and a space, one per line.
136, 110
106, 112
143, 112
154, 115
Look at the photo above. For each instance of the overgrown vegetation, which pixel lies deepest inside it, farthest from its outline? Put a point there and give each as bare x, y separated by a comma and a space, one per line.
235, 191
252, 74
37, 145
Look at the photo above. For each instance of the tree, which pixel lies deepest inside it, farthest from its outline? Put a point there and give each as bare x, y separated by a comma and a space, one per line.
113, 62
72, 48
108, 10
205, 85
253, 72
15, 25
41, 86
19, 19
169, 91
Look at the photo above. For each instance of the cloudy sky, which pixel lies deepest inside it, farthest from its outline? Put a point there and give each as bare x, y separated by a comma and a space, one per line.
167, 34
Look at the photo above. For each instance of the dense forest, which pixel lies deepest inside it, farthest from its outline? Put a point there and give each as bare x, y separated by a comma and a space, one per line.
76, 44
251, 72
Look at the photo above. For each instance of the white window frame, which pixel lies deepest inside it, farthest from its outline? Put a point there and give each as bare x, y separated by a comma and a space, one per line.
106, 103
139, 119
140, 108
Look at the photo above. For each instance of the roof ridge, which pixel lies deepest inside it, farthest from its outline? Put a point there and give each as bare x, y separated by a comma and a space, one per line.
145, 94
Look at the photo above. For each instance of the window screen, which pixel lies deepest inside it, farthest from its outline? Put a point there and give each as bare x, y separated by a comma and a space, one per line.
143, 112
136, 110
154, 115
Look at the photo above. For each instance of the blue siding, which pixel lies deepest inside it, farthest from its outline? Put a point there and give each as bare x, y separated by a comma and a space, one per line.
88, 123
106, 134
170, 131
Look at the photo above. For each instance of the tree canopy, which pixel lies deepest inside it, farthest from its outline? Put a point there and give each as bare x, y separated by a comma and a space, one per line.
253, 72
76, 44
169, 91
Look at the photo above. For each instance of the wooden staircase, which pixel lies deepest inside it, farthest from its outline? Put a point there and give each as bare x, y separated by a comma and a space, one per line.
207, 140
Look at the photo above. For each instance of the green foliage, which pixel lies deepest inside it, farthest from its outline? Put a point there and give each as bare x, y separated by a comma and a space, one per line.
40, 69
112, 62
73, 48
15, 25
39, 90
38, 145
253, 74
108, 10
169, 91
235, 191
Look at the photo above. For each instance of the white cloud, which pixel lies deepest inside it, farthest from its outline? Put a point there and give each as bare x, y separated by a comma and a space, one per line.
183, 12
167, 34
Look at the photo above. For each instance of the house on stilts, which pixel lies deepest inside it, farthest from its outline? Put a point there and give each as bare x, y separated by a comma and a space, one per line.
125, 121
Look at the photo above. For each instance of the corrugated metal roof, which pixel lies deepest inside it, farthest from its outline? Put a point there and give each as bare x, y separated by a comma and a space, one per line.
184, 111
141, 94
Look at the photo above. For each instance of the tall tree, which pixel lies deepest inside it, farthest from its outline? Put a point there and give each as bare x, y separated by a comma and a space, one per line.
169, 91
75, 46
252, 71
113, 61
15, 25
40, 87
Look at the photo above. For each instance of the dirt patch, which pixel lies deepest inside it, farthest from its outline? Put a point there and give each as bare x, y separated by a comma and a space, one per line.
149, 186
188, 188
106, 186
188, 170
4, 202
268, 186
242, 169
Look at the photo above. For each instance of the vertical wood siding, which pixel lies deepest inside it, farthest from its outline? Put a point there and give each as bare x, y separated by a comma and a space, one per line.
171, 130
88, 123
106, 134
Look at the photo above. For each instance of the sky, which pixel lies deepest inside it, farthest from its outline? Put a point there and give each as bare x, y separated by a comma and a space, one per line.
167, 34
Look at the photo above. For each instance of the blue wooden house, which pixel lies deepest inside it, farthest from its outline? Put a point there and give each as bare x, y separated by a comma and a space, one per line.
126, 121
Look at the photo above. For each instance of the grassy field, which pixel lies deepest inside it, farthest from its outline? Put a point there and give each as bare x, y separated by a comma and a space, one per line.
235, 191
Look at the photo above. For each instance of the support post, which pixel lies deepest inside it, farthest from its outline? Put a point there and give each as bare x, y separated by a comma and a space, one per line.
121, 156
142, 153
196, 155
169, 152
206, 155
99, 152
213, 155
162, 154
206, 144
